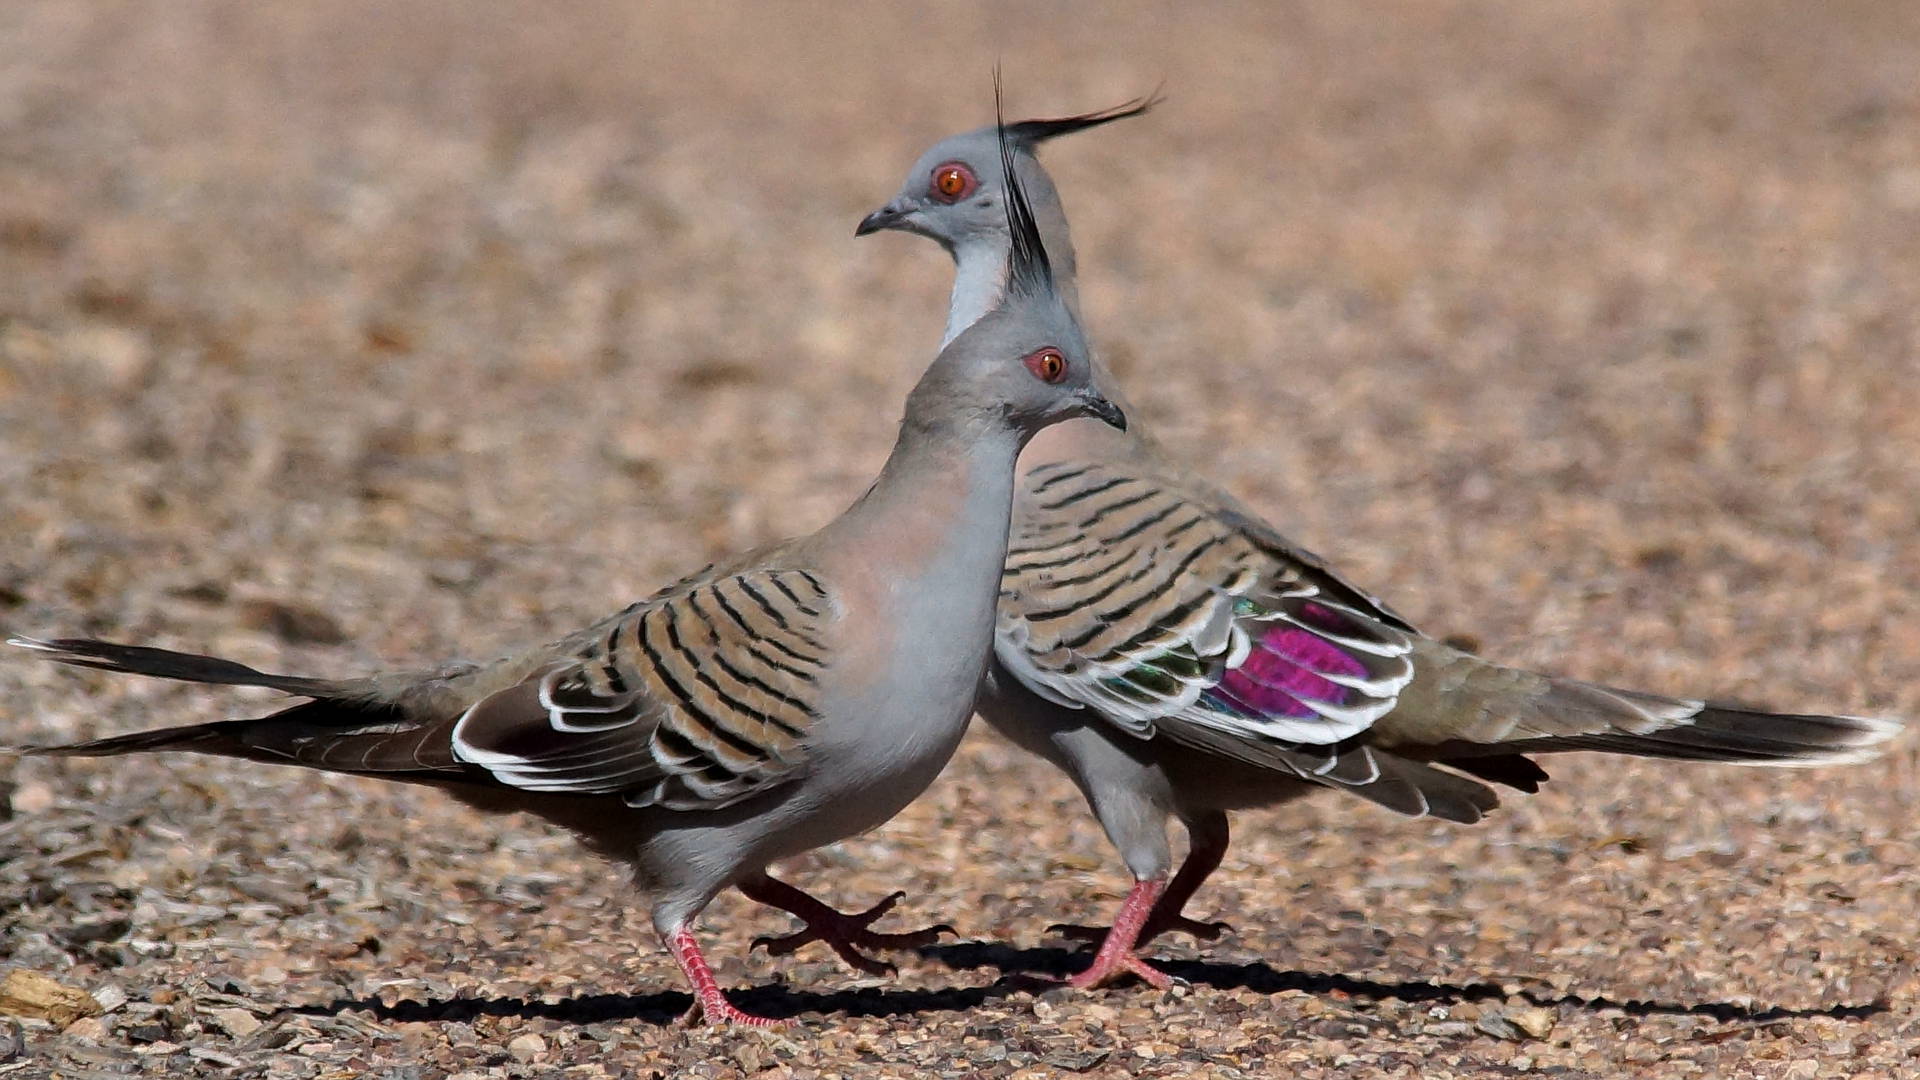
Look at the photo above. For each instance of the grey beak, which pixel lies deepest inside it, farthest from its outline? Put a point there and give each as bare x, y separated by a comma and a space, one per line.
1105, 411
887, 217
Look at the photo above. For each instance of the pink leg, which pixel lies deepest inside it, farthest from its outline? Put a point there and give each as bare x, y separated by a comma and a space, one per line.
709, 1002
843, 933
1116, 957
1209, 846
1208, 838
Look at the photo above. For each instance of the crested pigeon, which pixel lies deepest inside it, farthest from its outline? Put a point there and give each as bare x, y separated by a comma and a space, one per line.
752, 711
1178, 657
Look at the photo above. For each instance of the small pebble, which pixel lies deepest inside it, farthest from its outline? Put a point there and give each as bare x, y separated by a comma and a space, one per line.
526, 1047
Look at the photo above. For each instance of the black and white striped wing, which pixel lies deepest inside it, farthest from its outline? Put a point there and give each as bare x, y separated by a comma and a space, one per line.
696, 699
1124, 594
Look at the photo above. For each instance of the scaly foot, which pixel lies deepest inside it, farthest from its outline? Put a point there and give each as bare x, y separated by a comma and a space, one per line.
723, 1012
709, 1004
846, 934
1203, 931
1109, 966
1116, 957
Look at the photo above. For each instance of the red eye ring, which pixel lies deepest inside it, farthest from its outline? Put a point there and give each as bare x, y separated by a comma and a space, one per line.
1046, 364
951, 181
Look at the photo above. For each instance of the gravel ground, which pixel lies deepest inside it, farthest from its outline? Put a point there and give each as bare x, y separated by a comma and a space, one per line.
357, 334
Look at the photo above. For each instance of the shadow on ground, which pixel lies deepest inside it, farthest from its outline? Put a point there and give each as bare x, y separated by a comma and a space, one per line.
1027, 971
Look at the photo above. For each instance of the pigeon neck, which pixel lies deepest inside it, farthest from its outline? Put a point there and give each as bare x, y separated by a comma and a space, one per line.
980, 272
975, 447
979, 280
939, 511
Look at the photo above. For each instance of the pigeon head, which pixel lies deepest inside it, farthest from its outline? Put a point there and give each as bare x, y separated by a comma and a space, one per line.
956, 191
1026, 362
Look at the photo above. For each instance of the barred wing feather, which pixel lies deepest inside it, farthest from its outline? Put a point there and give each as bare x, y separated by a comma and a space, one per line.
695, 699
1123, 596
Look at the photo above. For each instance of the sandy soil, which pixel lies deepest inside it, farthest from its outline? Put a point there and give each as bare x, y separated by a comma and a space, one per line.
354, 334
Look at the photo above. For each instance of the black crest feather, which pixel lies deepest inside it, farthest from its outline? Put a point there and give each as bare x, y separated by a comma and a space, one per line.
1028, 271
1031, 133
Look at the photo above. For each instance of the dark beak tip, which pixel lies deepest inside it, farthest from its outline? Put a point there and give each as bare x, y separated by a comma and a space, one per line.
1110, 414
884, 218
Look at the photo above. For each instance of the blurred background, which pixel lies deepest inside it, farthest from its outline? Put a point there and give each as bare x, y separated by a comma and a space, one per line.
369, 333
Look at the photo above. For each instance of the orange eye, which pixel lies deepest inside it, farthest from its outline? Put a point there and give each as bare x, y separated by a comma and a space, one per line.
951, 182
1047, 365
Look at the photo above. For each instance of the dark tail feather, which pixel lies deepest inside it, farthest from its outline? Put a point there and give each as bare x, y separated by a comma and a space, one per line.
217, 738
1440, 794
1413, 788
344, 729
1715, 732
356, 737
166, 664
1730, 733
1514, 771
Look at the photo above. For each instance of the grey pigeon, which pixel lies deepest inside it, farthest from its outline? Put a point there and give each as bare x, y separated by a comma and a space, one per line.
792, 697
1179, 658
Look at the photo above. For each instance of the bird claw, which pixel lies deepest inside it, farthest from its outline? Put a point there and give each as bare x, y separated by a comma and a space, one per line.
846, 934
1079, 932
1201, 931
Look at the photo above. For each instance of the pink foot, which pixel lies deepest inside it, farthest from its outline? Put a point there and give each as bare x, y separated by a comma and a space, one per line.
846, 934
1107, 969
709, 1004
1116, 957
723, 1012
1209, 845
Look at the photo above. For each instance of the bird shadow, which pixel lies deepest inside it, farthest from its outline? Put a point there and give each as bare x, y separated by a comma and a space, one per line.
1035, 971
1265, 979
666, 1007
